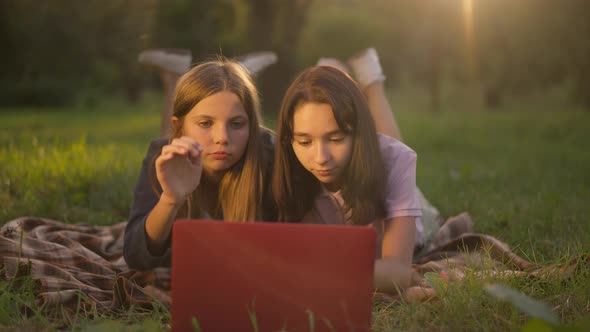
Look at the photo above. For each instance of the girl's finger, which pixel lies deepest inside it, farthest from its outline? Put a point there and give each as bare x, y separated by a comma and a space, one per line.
190, 143
166, 156
181, 142
195, 153
417, 294
162, 159
174, 149
189, 140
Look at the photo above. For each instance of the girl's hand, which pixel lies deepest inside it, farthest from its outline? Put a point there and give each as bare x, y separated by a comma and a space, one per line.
179, 168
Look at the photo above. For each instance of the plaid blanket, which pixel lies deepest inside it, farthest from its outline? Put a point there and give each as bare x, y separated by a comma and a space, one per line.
83, 265
78, 265
454, 249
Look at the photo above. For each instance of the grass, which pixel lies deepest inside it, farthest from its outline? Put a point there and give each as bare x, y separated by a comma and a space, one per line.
522, 175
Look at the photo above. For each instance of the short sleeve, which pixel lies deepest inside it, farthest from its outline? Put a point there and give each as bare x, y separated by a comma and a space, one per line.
401, 196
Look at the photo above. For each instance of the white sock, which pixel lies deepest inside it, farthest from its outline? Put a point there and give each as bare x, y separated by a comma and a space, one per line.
256, 62
366, 67
176, 61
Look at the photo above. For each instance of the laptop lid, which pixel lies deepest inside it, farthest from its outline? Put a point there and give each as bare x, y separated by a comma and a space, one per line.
271, 276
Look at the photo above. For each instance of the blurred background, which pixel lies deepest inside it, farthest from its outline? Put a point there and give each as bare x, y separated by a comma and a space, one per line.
443, 54
493, 95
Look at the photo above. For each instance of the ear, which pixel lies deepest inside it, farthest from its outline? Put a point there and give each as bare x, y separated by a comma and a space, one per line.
175, 121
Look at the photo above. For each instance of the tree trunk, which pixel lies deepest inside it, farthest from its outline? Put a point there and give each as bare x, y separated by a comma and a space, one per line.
277, 26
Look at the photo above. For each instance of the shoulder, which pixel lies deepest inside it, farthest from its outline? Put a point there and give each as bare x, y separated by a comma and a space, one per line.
394, 151
158, 144
154, 150
155, 147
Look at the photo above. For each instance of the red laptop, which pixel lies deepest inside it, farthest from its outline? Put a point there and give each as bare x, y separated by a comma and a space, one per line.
271, 277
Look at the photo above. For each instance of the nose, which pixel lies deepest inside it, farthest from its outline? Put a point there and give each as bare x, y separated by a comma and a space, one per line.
221, 135
321, 154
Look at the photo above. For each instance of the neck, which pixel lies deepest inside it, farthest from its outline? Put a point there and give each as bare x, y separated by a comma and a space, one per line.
333, 187
208, 195
213, 178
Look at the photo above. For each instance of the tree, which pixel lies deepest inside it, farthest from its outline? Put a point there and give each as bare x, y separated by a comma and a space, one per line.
277, 26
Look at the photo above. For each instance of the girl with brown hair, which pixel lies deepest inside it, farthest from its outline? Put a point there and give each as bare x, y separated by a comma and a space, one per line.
212, 166
331, 166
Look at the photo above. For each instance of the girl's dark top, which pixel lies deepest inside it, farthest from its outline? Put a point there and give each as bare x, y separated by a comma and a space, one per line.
135, 248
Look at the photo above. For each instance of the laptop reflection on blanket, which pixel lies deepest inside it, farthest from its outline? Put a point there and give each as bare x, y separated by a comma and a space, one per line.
271, 277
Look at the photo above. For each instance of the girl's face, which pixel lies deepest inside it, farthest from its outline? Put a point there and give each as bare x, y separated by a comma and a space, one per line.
320, 145
220, 124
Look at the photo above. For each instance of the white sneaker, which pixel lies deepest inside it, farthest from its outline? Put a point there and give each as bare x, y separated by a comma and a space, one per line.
256, 62
174, 60
366, 67
333, 62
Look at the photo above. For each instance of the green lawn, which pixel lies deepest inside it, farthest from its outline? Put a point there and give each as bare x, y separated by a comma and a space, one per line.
524, 177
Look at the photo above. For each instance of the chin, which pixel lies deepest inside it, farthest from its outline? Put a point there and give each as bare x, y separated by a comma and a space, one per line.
326, 182
216, 169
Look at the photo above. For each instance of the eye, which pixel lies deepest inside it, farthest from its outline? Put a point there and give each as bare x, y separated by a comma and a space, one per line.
337, 139
238, 124
205, 124
304, 142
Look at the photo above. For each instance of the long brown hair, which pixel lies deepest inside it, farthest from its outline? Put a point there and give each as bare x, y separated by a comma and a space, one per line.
240, 190
294, 188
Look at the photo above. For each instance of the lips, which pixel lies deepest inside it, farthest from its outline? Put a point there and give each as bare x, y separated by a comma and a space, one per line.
325, 172
220, 155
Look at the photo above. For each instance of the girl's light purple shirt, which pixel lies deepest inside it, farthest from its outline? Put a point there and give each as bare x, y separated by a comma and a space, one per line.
401, 195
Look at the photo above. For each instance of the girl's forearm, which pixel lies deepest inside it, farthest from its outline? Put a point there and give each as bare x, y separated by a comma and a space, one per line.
159, 225
391, 275
394, 271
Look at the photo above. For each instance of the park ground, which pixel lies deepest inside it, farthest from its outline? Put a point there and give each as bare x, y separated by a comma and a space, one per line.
522, 172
